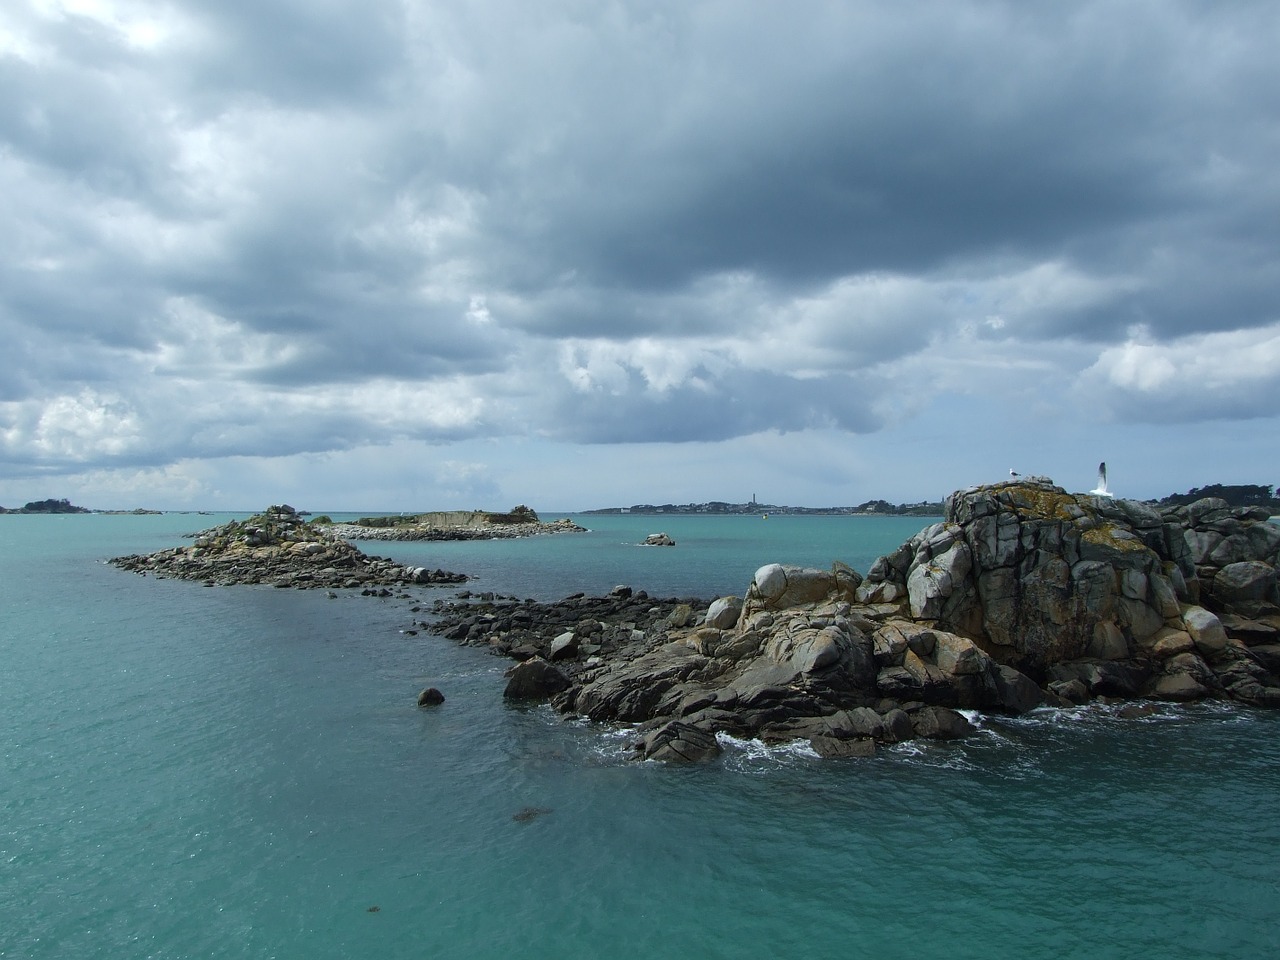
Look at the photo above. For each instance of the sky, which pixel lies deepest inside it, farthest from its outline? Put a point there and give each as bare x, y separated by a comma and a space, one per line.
404, 255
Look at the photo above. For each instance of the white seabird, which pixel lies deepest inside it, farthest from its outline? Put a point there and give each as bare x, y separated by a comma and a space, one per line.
1101, 490
1014, 473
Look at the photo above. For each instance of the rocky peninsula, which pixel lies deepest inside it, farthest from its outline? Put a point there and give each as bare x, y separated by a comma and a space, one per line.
520, 521
1024, 595
278, 547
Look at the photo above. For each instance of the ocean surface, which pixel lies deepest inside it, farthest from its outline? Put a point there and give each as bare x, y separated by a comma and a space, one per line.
243, 772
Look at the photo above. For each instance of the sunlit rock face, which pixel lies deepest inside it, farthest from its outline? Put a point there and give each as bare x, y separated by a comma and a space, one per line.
1039, 577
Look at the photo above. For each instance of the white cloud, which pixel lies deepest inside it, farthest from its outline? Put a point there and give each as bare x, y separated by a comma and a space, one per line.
1233, 374
194, 344
82, 428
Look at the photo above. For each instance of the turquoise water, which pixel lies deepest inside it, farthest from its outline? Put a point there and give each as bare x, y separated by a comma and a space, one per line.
242, 772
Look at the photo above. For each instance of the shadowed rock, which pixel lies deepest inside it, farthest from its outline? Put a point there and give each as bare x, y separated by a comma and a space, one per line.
534, 679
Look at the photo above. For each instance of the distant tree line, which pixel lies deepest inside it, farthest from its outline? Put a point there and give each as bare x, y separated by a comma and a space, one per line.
47, 506
1236, 494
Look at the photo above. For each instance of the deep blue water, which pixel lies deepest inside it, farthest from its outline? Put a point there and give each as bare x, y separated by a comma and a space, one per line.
243, 772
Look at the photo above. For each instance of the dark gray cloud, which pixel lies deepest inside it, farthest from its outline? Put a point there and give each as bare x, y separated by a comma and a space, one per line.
714, 408
311, 54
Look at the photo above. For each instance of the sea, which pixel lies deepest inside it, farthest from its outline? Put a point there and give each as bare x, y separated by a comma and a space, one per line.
193, 772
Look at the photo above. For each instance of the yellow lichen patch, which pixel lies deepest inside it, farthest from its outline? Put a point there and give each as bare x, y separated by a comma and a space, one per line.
1033, 501
1109, 535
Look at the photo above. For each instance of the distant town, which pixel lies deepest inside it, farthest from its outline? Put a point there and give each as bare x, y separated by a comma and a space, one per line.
880, 508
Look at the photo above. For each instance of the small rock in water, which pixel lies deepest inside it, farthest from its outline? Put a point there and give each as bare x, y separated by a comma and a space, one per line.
430, 697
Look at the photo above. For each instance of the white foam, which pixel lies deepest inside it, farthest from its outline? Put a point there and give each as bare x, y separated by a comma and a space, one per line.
756, 749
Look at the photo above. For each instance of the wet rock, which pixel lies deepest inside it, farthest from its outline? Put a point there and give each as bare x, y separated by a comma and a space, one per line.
940, 723
534, 679
680, 742
1015, 692
831, 748
1178, 687
430, 697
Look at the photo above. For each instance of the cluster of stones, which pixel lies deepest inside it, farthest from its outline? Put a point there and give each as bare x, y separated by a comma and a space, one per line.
578, 633
1024, 595
277, 547
437, 531
658, 540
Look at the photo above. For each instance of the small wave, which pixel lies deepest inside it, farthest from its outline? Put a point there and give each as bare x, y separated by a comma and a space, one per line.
930, 753
1098, 713
601, 743
756, 750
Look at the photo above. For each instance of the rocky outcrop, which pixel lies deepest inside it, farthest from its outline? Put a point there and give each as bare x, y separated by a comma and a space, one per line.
1023, 595
1111, 595
279, 548
658, 540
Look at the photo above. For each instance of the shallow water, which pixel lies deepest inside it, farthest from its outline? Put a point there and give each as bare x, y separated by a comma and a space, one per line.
243, 772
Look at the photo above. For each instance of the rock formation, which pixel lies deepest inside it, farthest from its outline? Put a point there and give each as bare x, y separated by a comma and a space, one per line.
278, 547
521, 521
1127, 600
1023, 595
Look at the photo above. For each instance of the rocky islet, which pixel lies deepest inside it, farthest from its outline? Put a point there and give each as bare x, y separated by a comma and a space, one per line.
1023, 595
520, 521
279, 548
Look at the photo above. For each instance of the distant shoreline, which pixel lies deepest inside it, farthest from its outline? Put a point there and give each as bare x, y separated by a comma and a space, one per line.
766, 509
